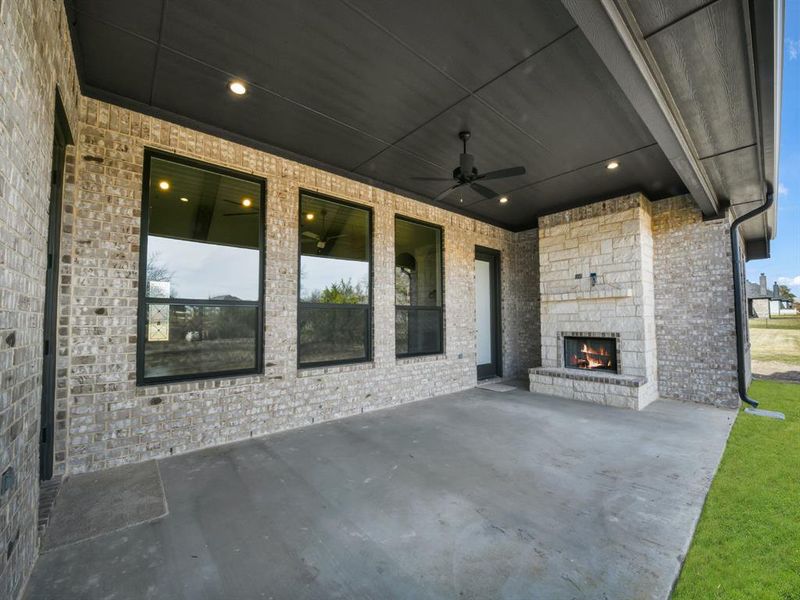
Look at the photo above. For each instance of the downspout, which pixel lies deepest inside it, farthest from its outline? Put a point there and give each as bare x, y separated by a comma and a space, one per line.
737, 295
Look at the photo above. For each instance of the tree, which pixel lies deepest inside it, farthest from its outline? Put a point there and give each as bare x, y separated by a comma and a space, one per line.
343, 292
158, 271
785, 293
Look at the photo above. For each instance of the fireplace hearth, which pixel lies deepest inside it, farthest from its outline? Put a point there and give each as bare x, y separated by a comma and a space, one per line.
591, 353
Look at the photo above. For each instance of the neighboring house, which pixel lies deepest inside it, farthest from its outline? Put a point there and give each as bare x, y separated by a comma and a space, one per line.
764, 302
288, 165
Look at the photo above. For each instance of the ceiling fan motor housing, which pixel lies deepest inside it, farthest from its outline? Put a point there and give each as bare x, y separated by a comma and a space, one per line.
466, 168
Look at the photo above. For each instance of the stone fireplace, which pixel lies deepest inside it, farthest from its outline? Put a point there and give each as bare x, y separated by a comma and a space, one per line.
597, 304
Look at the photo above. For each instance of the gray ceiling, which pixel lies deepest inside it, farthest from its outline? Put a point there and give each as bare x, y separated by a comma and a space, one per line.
379, 89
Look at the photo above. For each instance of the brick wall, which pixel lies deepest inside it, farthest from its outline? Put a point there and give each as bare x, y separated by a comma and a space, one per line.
112, 421
35, 57
695, 328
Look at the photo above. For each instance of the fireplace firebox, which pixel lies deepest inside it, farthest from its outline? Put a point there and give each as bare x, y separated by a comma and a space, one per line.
591, 353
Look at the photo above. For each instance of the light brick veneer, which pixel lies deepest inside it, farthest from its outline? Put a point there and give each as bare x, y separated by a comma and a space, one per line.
35, 57
695, 327
112, 421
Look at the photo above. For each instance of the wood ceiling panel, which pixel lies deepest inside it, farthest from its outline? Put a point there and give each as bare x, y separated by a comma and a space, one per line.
192, 90
733, 176
471, 40
104, 70
142, 17
566, 93
646, 170
704, 61
652, 15
320, 54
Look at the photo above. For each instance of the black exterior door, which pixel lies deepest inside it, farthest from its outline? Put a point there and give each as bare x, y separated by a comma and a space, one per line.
487, 313
61, 138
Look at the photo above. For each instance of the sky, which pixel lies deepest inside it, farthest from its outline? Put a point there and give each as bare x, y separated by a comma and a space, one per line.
784, 264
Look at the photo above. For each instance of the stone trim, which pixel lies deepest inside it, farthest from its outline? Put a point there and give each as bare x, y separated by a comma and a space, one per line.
585, 375
602, 334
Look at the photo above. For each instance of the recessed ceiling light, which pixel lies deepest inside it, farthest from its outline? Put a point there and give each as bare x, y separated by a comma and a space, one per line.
246, 202
184, 199
163, 184
612, 165
503, 199
237, 87
309, 216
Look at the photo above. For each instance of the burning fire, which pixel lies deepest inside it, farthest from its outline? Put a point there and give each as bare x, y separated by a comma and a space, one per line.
593, 358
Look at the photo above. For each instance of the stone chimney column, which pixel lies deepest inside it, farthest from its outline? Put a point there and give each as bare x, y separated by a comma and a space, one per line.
762, 285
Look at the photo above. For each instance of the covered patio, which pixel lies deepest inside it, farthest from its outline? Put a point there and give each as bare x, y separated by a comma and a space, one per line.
256, 256
477, 494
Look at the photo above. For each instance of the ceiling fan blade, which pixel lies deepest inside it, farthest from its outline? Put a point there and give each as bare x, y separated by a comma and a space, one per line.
431, 178
248, 214
501, 173
311, 235
446, 193
333, 237
483, 191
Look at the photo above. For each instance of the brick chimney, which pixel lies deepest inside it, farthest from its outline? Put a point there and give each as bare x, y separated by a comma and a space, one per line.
776, 292
762, 285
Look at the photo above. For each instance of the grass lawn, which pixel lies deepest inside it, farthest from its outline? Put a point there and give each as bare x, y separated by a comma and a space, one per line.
778, 322
747, 543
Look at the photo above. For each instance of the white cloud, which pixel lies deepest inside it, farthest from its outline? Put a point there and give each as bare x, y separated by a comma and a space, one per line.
793, 49
782, 190
790, 281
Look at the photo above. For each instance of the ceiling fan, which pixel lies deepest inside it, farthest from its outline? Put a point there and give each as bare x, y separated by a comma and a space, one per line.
467, 174
322, 240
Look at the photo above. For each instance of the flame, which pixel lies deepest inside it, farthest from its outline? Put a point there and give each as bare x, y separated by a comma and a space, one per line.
593, 358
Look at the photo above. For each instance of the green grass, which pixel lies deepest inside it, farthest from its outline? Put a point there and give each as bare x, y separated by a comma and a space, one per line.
747, 543
777, 322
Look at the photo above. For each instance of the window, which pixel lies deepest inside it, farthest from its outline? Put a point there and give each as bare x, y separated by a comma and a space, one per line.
334, 308
201, 272
418, 288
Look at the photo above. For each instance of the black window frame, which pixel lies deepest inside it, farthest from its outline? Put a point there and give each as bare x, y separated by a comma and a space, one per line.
369, 332
440, 309
143, 301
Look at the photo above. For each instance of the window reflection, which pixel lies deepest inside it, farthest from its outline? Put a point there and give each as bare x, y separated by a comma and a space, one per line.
185, 269
334, 270
201, 284
334, 281
418, 288
185, 339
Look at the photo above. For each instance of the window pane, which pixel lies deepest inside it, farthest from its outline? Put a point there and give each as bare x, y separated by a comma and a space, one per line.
418, 331
183, 269
335, 252
418, 264
185, 339
331, 333
333, 281
203, 234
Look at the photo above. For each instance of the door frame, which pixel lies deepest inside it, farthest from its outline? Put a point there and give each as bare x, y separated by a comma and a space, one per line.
61, 139
494, 368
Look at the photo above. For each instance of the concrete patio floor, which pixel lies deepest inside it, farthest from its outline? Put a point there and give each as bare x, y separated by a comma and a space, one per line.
477, 494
